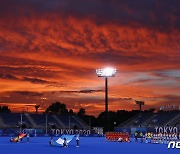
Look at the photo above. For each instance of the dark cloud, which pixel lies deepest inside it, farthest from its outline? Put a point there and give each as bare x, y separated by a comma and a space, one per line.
89, 91
150, 13
27, 71
125, 98
143, 81
174, 74
82, 91
8, 76
28, 93
38, 68
28, 79
35, 80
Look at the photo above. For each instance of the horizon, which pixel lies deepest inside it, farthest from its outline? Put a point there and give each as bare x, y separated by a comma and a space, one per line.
50, 50
163, 109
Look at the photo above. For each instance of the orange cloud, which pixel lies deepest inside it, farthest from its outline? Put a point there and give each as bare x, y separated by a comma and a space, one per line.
55, 53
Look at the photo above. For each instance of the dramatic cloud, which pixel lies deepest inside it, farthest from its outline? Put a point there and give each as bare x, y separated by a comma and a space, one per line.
49, 51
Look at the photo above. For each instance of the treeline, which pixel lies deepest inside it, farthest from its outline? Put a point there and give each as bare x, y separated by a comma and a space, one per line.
4, 109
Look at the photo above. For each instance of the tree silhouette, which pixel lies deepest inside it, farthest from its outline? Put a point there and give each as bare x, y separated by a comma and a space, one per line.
57, 108
4, 109
82, 112
71, 112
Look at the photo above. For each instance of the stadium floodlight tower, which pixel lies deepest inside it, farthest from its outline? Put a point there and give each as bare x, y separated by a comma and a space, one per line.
140, 103
106, 72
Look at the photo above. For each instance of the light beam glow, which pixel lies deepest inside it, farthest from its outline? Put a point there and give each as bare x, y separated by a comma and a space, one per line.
106, 72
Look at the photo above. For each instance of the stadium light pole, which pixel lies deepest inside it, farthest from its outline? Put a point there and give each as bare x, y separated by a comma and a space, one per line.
46, 124
106, 72
21, 123
140, 103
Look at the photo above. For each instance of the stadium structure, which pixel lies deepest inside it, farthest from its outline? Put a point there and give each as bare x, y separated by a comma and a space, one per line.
160, 122
11, 123
43, 123
15, 127
154, 119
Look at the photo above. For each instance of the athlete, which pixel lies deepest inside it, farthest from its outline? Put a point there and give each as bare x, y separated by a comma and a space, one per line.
65, 143
51, 141
146, 137
77, 140
136, 136
141, 136
27, 137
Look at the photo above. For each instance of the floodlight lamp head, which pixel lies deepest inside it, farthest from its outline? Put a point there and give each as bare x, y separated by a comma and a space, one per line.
106, 72
140, 102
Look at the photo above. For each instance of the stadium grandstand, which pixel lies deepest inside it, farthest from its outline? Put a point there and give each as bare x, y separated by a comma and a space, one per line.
166, 120
153, 120
12, 122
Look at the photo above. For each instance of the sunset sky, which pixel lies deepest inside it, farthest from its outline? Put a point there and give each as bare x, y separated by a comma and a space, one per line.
50, 49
